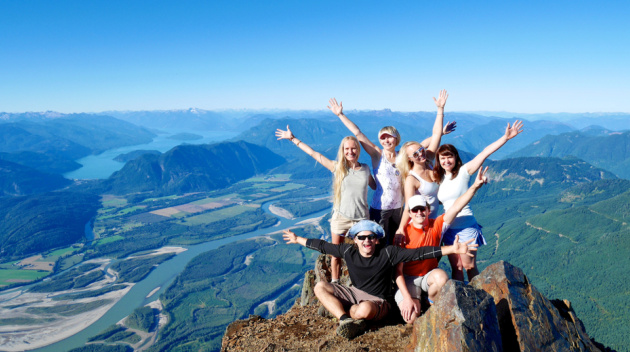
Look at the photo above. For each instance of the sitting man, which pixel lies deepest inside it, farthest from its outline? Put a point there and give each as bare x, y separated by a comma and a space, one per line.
371, 267
425, 275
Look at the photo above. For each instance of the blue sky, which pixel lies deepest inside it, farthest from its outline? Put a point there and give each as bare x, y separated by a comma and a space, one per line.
518, 56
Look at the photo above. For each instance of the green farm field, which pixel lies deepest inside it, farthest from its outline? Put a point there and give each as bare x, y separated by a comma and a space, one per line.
218, 215
12, 276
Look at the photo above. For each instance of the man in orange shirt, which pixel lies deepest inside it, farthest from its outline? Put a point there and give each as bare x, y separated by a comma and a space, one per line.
424, 275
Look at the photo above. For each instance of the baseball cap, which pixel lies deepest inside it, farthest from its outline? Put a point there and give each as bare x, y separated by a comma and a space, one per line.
417, 201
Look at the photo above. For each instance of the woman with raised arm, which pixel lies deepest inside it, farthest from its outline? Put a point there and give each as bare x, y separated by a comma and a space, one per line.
350, 182
453, 176
415, 166
387, 202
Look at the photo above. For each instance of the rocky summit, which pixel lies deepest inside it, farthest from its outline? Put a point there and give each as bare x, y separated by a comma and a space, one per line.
500, 310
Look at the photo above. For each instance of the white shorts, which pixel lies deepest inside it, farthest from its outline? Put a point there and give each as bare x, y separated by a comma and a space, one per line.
415, 286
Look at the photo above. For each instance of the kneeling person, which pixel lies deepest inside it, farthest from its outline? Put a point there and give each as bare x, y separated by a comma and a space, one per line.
412, 278
370, 267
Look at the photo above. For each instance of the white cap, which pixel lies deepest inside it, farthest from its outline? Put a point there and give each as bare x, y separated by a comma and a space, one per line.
387, 133
417, 201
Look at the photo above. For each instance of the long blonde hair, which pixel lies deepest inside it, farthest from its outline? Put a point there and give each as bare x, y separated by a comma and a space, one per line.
403, 164
341, 169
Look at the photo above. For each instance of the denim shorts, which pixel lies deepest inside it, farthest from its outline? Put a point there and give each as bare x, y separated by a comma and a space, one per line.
465, 234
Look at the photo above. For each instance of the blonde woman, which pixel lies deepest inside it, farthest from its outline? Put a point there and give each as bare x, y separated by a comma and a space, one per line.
350, 182
387, 202
416, 170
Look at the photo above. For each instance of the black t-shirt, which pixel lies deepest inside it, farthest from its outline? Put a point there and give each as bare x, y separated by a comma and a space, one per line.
373, 274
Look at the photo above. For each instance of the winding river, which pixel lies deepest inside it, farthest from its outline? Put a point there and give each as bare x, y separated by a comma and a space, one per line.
161, 277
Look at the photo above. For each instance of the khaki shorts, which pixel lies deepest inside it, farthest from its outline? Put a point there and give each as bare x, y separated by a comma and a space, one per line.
350, 296
339, 224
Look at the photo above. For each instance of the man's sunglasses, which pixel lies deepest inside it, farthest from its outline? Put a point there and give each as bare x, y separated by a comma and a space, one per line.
370, 237
418, 152
418, 208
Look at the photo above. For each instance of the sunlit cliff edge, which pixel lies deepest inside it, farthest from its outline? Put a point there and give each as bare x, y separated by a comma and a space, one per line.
500, 310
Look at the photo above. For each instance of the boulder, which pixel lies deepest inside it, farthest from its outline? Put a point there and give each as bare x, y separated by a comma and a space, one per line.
529, 321
498, 311
463, 318
321, 273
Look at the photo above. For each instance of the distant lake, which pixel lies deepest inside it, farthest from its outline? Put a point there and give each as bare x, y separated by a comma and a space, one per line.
102, 165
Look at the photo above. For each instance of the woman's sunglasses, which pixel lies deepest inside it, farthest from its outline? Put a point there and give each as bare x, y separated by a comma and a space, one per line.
418, 153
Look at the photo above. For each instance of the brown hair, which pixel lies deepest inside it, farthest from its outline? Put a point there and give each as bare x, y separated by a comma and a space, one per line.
438, 170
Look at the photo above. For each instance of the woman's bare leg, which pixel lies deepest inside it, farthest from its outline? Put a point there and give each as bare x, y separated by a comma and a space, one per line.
334, 261
457, 267
470, 264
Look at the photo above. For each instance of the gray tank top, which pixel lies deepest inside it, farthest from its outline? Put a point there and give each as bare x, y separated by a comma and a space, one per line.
353, 204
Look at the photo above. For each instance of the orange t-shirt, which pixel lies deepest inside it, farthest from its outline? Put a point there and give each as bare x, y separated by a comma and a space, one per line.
418, 238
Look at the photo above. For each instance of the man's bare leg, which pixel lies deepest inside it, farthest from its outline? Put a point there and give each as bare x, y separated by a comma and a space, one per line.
364, 310
324, 292
436, 280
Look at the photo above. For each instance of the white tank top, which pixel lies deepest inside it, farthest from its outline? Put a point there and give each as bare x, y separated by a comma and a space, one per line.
429, 190
388, 194
450, 190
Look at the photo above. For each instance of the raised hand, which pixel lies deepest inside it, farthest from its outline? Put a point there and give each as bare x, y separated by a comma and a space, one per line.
289, 236
464, 247
284, 134
441, 101
337, 109
511, 132
481, 178
449, 127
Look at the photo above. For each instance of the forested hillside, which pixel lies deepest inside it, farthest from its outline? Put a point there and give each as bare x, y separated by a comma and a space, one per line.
33, 224
573, 242
606, 149
536, 177
189, 168
18, 180
42, 162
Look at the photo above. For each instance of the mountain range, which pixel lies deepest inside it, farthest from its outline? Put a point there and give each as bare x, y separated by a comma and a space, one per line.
555, 208
61, 139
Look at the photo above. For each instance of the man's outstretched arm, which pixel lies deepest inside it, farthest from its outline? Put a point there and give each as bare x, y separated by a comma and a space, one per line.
315, 244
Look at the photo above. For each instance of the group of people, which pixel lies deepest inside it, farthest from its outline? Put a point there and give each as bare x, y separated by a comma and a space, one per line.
399, 235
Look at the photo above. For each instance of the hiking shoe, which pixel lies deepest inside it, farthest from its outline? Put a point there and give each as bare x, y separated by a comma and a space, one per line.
323, 312
350, 328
